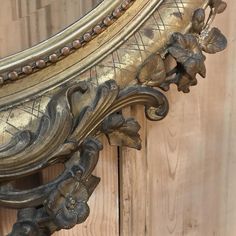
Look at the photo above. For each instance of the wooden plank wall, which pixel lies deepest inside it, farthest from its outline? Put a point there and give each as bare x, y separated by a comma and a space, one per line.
183, 182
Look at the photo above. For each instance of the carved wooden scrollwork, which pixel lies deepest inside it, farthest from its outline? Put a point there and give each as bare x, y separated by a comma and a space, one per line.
65, 200
79, 112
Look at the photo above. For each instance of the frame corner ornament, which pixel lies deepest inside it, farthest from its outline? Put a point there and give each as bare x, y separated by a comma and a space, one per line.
80, 113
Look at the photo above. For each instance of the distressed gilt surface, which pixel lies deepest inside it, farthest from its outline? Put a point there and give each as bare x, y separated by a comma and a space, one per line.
181, 87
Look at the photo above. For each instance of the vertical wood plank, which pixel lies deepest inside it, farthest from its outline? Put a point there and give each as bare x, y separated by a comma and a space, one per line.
183, 181
186, 175
133, 182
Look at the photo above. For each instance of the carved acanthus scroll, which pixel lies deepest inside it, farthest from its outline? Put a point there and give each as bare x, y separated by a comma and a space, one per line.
84, 112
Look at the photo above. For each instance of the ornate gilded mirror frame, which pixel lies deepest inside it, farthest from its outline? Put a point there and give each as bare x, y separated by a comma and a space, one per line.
123, 52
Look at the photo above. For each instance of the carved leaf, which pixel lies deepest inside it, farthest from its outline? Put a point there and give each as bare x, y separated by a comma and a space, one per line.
187, 52
152, 71
27, 224
218, 5
121, 132
90, 116
184, 82
214, 41
54, 127
221, 8
198, 20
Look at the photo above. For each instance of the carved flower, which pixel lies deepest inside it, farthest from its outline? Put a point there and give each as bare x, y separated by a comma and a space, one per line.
184, 81
68, 204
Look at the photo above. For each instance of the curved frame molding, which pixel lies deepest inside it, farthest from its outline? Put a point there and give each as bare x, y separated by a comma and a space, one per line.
73, 37
106, 61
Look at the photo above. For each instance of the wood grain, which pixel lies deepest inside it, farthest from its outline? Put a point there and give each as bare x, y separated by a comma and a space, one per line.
184, 183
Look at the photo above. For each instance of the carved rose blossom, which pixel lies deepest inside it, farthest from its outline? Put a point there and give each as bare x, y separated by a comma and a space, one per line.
68, 204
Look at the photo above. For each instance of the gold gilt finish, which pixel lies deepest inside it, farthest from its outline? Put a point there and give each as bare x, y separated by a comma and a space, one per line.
112, 58
102, 46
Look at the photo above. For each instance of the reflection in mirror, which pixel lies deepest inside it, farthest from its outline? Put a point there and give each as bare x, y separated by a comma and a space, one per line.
24, 23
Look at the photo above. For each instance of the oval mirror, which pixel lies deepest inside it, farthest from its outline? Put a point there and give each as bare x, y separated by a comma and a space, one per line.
24, 24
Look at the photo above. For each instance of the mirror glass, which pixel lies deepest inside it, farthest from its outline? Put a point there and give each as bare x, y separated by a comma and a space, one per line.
25, 23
